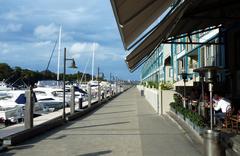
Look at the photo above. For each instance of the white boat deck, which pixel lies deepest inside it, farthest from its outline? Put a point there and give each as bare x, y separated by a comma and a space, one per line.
7, 131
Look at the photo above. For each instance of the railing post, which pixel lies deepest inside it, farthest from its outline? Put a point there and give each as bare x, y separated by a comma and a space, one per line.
72, 103
89, 95
80, 100
28, 115
99, 93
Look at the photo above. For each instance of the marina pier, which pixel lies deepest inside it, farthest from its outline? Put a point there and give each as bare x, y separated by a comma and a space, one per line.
126, 125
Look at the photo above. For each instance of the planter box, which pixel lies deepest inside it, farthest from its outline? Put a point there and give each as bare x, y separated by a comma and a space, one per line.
173, 110
199, 130
189, 123
181, 116
194, 127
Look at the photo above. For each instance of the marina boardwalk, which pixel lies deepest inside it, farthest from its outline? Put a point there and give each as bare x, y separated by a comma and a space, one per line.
125, 126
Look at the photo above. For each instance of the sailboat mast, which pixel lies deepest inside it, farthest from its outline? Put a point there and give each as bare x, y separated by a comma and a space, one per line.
59, 53
93, 60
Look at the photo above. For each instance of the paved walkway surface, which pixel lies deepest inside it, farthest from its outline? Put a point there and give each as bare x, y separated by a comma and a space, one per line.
125, 126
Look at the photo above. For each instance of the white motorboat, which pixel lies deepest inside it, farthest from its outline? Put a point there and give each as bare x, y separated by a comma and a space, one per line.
4, 86
50, 95
12, 105
79, 93
49, 98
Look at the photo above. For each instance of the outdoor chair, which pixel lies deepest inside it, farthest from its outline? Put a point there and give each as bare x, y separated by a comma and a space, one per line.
227, 119
235, 121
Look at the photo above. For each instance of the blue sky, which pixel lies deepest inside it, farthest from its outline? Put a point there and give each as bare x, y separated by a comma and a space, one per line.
28, 30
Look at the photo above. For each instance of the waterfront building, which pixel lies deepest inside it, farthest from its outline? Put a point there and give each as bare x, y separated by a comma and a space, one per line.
183, 21
156, 68
168, 61
187, 57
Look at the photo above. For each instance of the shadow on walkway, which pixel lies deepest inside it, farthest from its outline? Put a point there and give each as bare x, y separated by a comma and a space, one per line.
108, 124
96, 153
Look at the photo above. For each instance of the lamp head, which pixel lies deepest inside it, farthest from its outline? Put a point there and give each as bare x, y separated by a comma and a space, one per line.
73, 65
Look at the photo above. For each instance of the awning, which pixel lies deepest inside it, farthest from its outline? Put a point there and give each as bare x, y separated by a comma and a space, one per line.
157, 36
134, 17
206, 14
190, 16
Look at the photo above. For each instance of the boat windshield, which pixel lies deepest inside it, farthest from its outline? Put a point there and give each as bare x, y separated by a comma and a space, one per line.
49, 83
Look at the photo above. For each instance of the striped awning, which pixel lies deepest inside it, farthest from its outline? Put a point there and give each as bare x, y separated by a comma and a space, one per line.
189, 16
135, 16
161, 33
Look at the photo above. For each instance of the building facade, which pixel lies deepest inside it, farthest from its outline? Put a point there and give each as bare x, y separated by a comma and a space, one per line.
170, 60
155, 68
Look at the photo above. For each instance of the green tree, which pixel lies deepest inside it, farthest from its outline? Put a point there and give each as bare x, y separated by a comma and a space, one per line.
5, 71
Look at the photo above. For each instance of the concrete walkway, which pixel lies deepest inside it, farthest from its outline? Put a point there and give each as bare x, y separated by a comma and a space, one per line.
125, 126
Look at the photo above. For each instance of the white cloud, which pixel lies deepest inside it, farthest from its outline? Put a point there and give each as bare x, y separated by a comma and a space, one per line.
10, 27
85, 49
42, 44
46, 31
84, 22
82, 48
4, 48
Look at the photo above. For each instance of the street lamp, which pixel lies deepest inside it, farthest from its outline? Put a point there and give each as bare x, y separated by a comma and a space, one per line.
73, 65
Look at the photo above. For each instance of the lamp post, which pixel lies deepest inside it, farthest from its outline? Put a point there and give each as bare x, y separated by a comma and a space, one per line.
73, 65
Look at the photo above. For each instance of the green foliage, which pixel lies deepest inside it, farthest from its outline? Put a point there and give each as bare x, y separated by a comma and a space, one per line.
192, 116
178, 99
152, 84
144, 84
173, 105
17, 75
166, 85
195, 118
5, 71
163, 85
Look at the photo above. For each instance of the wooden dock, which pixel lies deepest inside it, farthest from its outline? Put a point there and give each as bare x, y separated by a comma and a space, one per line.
17, 128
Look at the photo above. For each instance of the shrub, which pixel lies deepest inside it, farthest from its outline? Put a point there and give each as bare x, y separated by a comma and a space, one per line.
166, 85
173, 105
153, 84
178, 99
192, 116
144, 84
